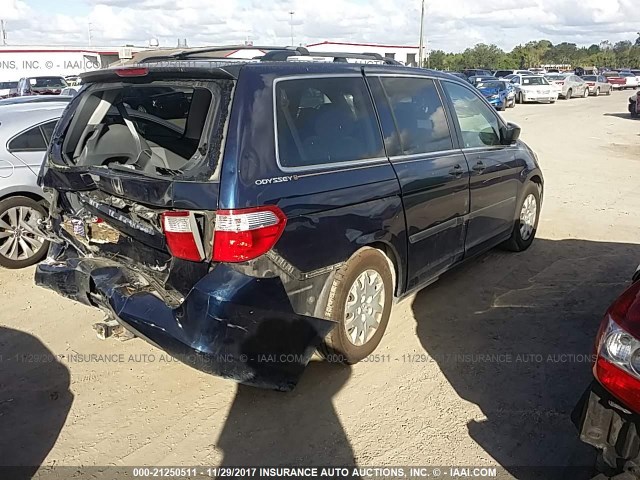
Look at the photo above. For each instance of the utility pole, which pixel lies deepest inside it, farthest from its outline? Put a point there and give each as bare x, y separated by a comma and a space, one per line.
291, 23
90, 35
420, 49
3, 28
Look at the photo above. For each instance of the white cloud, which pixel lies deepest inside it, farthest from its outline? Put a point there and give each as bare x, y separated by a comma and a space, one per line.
451, 25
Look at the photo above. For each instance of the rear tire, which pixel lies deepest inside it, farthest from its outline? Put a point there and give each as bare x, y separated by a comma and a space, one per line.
568, 95
27, 249
609, 91
525, 226
597, 94
364, 283
585, 94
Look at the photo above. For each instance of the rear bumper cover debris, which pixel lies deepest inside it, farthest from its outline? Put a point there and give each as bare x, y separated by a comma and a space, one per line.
604, 422
230, 324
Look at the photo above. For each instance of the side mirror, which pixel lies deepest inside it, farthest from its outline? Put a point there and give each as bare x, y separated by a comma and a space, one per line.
509, 134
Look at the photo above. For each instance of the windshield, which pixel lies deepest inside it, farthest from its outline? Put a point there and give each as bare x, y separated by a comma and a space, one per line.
626, 74
590, 78
47, 82
154, 128
492, 84
7, 85
555, 77
611, 75
534, 81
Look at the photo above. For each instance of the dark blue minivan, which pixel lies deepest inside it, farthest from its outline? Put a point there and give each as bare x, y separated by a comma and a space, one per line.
284, 212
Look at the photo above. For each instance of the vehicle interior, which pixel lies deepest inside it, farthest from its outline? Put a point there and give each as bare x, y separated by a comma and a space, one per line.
106, 131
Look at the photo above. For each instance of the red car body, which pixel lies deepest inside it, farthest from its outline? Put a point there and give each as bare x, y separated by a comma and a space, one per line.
616, 82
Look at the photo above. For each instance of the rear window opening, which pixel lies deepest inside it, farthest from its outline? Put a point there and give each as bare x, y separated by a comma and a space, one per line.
155, 128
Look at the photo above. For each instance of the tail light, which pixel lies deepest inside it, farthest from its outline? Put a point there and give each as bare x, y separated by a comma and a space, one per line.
617, 366
132, 71
239, 235
182, 235
591, 84
245, 234
559, 83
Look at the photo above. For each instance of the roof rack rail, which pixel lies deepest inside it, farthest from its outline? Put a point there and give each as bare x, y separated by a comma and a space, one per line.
273, 54
189, 52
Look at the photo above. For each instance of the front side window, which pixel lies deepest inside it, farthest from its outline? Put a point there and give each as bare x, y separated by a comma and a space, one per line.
478, 123
322, 121
419, 115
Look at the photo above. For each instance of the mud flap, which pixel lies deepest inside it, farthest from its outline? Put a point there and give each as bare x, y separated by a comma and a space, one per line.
230, 324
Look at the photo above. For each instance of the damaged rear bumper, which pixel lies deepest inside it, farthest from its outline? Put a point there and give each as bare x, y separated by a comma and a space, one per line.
230, 324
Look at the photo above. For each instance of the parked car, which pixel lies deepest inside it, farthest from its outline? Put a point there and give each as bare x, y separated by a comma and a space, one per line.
461, 76
608, 413
71, 80
538, 71
35, 99
533, 88
498, 93
40, 86
616, 81
70, 91
475, 79
24, 136
267, 243
597, 84
6, 87
634, 105
473, 72
505, 73
631, 81
570, 85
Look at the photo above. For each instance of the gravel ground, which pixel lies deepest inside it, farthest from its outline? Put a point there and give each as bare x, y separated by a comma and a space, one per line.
481, 368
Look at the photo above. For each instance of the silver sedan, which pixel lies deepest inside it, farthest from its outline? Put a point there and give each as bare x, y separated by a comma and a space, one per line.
597, 84
569, 85
24, 136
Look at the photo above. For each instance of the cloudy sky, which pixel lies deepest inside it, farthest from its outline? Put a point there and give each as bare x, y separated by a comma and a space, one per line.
450, 25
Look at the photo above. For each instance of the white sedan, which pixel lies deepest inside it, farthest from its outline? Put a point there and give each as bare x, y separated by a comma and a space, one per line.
533, 88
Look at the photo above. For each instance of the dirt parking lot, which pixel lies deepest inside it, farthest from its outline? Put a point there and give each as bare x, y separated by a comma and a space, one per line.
481, 368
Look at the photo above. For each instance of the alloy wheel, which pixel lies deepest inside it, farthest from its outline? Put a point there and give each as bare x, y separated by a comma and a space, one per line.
528, 215
19, 237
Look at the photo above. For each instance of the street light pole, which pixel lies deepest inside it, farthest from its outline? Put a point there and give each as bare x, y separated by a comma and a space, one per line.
291, 23
420, 49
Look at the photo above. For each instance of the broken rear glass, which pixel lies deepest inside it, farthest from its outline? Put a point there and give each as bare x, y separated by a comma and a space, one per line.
159, 128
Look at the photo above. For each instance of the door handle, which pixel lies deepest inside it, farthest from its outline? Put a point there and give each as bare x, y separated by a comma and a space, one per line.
479, 166
456, 171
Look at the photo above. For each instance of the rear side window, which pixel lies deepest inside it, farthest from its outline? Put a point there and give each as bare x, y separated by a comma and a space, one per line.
419, 114
324, 121
157, 128
30, 140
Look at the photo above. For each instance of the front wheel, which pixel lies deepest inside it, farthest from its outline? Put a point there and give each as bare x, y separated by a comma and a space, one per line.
568, 95
20, 243
585, 94
524, 230
360, 302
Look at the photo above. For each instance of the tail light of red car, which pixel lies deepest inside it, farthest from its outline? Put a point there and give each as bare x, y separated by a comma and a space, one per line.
617, 365
238, 235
